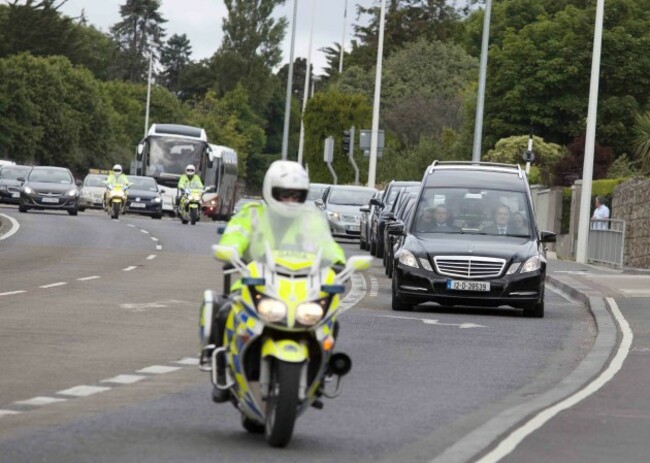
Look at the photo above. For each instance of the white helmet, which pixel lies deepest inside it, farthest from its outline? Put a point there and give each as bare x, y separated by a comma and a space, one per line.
190, 169
285, 179
117, 169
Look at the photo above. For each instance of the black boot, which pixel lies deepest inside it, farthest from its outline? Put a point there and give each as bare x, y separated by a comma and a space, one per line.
219, 329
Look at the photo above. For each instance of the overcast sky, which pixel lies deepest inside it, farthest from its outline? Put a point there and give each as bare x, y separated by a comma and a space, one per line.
201, 20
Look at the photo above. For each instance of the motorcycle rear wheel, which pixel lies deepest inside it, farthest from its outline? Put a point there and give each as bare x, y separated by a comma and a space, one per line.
282, 403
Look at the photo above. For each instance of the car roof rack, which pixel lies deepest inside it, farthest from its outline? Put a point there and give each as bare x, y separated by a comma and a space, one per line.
499, 166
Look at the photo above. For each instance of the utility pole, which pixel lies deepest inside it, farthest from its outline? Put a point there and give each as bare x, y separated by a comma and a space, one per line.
146, 114
372, 169
287, 106
478, 124
345, 15
305, 93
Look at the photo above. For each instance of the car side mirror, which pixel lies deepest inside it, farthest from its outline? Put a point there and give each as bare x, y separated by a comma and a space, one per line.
364, 209
376, 202
162, 192
140, 151
21, 179
547, 237
319, 203
208, 189
389, 215
395, 228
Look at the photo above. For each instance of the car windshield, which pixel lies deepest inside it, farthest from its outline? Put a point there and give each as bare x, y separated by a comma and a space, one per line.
142, 183
50, 176
12, 173
350, 197
469, 210
94, 180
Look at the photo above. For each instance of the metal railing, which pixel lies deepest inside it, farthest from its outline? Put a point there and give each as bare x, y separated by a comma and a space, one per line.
606, 242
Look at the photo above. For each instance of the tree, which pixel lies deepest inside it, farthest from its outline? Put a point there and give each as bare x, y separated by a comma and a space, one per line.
139, 33
175, 58
569, 168
641, 141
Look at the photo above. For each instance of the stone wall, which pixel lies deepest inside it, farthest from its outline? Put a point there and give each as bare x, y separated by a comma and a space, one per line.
631, 202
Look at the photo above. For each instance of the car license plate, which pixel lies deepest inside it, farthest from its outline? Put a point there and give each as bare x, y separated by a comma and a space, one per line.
50, 200
15, 195
138, 205
461, 285
353, 228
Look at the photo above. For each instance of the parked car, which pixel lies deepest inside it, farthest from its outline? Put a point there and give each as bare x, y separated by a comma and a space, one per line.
316, 191
340, 204
9, 183
384, 206
364, 222
144, 197
466, 259
49, 188
91, 194
403, 206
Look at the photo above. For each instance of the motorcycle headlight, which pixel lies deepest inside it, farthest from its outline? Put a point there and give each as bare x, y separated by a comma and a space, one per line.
333, 216
271, 310
532, 264
407, 258
28, 190
72, 193
309, 313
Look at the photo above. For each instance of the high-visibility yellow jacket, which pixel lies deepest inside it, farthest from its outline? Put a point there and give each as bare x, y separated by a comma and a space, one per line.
193, 183
113, 179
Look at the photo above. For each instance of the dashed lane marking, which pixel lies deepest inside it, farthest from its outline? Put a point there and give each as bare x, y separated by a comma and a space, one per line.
431, 321
128, 269
130, 225
94, 277
153, 238
4, 413
374, 286
37, 401
188, 361
53, 285
158, 369
123, 379
151, 257
83, 391
144, 231
158, 248
11, 293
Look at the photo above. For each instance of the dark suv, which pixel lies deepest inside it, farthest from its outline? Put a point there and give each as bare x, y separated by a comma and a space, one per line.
472, 240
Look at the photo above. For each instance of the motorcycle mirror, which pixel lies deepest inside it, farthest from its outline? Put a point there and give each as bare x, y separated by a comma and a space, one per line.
333, 289
225, 253
358, 263
221, 229
248, 281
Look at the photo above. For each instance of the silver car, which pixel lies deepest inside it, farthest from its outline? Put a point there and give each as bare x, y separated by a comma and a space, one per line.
341, 204
92, 192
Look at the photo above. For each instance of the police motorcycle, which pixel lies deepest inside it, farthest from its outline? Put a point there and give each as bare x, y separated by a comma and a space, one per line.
279, 337
189, 205
115, 200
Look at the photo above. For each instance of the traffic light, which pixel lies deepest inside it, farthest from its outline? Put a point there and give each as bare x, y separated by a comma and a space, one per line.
346, 141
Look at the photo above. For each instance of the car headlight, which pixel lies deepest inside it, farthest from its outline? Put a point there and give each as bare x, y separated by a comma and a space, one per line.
407, 258
309, 313
28, 190
532, 264
72, 193
333, 216
157, 200
271, 310
3, 188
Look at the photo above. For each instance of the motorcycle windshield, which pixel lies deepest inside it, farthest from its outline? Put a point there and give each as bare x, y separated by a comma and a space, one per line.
295, 243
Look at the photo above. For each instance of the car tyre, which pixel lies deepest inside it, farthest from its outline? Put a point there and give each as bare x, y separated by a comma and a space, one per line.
379, 250
397, 304
82, 209
535, 310
22, 208
72, 211
373, 248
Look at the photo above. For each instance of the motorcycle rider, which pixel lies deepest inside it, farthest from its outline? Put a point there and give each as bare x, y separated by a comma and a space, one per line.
278, 221
188, 181
116, 177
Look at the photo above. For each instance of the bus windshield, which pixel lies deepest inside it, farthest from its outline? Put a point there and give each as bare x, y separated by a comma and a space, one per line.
170, 155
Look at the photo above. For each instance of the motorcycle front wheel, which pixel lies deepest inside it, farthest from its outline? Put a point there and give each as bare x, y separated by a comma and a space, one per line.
115, 214
282, 403
194, 215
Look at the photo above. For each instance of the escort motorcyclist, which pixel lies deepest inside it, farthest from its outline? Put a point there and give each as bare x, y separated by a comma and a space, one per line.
116, 177
188, 181
278, 221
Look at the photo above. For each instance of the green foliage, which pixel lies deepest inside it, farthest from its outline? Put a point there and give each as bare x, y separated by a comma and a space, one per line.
509, 151
330, 113
622, 167
175, 57
641, 140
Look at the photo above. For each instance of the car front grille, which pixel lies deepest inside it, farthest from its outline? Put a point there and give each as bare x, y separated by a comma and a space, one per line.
469, 266
51, 195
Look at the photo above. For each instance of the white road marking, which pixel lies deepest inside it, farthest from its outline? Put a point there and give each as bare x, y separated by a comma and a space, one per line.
153, 238
188, 361
144, 231
40, 401
430, 321
356, 294
128, 269
374, 286
4, 413
123, 379
53, 285
11, 293
15, 226
130, 225
158, 369
83, 391
94, 277
151, 257
639, 291
508, 444
158, 248
138, 307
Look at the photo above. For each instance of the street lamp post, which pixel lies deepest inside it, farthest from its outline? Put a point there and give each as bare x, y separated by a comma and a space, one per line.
592, 113
287, 106
478, 124
345, 16
305, 93
146, 114
372, 169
